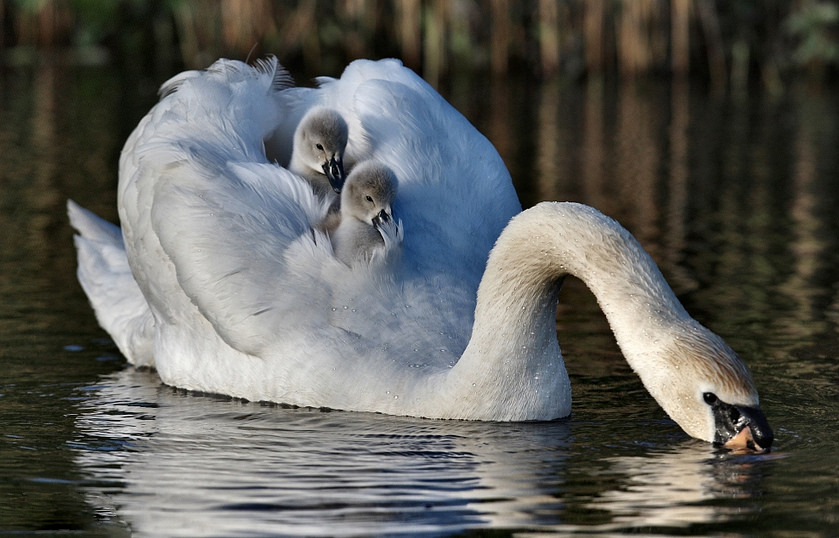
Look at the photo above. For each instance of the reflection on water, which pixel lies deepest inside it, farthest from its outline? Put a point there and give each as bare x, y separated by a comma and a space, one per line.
166, 462
736, 199
673, 490
248, 468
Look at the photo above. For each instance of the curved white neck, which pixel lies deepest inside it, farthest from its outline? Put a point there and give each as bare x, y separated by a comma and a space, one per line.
513, 356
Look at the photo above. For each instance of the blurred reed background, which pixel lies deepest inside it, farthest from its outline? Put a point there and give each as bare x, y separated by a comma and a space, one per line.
729, 43
682, 168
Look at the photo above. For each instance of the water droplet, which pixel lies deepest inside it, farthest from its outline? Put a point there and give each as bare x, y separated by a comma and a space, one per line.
395, 396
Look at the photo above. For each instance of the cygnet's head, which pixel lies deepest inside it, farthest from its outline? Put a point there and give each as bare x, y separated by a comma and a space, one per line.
369, 193
319, 144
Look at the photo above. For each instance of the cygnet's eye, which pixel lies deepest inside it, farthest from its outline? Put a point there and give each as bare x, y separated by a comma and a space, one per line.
369, 198
710, 398
319, 146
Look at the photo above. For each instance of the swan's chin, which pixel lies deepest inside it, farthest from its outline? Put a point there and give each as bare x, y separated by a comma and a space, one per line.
745, 442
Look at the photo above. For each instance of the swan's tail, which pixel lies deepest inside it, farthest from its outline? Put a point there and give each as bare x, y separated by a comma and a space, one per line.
106, 278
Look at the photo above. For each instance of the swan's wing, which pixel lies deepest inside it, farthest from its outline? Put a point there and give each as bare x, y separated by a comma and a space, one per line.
204, 213
240, 239
229, 102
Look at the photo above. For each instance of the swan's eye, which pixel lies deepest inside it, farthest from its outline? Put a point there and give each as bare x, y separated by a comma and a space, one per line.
710, 398
369, 198
319, 146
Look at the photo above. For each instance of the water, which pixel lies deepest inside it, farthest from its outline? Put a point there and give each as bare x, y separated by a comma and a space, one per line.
736, 198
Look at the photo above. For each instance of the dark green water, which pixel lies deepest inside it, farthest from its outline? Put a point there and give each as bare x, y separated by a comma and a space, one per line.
737, 199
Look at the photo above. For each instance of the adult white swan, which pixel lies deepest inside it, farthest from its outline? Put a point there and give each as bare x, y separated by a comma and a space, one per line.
244, 298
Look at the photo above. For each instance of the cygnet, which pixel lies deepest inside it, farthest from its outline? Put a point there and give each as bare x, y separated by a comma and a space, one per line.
318, 153
366, 225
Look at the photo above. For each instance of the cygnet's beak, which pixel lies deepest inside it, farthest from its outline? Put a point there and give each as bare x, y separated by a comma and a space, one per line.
334, 170
739, 427
383, 217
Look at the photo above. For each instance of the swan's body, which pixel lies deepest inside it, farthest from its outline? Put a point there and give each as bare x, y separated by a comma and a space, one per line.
248, 301
366, 226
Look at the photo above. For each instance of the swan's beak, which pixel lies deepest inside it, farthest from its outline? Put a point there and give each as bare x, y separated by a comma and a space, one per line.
739, 427
334, 170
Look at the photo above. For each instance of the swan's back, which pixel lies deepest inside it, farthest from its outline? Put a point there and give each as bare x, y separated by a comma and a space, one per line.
455, 194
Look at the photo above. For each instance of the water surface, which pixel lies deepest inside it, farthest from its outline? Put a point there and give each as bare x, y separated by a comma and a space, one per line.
735, 198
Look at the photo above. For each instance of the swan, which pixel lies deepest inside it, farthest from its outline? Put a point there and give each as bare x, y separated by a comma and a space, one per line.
365, 225
248, 299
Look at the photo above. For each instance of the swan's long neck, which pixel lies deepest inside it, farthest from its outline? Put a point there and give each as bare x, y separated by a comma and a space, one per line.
513, 356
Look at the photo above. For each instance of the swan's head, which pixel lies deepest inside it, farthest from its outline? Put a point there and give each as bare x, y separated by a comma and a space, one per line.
707, 389
369, 194
319, 144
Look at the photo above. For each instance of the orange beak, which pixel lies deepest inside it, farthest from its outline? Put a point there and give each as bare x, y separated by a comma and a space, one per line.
745, 442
